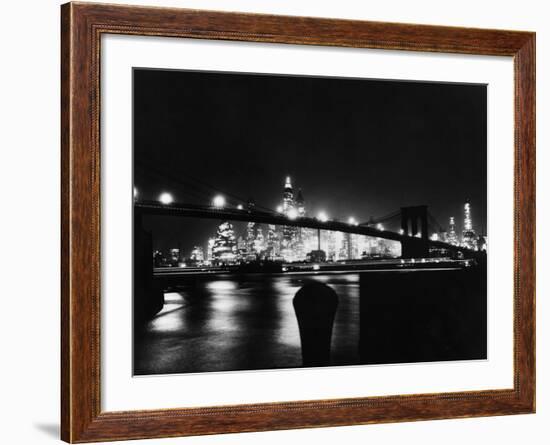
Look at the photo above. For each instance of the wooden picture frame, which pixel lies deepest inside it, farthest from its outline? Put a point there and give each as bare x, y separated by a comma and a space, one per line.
82, 26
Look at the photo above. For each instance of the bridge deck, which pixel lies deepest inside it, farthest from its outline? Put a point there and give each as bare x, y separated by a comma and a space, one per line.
245, 215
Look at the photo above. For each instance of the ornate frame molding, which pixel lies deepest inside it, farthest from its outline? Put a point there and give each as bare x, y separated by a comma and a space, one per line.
82, 25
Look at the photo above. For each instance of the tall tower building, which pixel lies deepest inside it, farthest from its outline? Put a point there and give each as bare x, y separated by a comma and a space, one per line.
288, 197
273, 244
210, 249
300, 204
302, 233
259, 241
289, 232
197, 255
251, 230
469, 238
467, 217
452, 238
224, 249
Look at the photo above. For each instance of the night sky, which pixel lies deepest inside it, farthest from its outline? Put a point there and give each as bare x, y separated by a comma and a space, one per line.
356, 147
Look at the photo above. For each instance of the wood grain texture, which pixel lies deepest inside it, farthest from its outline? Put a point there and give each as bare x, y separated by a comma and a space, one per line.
81, 416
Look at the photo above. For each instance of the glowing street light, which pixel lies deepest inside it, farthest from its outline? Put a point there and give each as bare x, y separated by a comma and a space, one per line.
379, 226
166, 198
401, 232
292, 214
279, 209
322, 216
434, 237
352, 221
135, 194
240, 207
218, 201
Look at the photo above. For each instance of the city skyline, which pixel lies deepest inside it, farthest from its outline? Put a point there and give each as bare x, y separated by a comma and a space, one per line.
244, 242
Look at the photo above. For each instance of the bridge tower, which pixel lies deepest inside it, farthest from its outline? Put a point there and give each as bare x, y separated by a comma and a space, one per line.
414, 224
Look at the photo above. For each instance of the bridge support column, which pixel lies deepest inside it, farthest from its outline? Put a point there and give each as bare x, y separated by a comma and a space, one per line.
416, 246
148, 297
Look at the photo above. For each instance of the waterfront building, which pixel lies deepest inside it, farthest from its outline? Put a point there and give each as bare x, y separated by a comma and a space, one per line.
452, 237
224, 250
158, 259
259, 244
300, 204
332, 243
302, 233
197, 255
273, 243
469, 238
174, 256
288, 196
289, 210
249, 253
345, 247
482, 243
210, 249
241, 248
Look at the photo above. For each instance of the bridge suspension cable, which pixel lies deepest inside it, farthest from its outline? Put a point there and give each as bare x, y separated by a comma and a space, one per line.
434, 223
382, 219
197, 189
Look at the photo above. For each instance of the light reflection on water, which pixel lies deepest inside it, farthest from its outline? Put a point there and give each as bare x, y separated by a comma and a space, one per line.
169, 320
288, 333
221, 286
231, 323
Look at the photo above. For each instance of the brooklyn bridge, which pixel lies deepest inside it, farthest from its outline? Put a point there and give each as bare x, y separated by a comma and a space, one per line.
413, 236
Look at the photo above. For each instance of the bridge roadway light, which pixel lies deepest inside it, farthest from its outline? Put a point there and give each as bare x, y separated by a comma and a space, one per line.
401, 232
322, 216
352, 221
292, 214
379, 226
279, 209
240, 207
166, 198
218, 201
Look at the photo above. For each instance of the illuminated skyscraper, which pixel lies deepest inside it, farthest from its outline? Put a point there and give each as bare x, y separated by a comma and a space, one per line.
355, 247
300, 204
467, 217
345, 247
452, 238
289, 232
469, 238
302, 233
273, 243
259, 243
288, 197
331, 249
210, 249
242, 249
174, 256
224, 250
197, 255
250, 237
254, 241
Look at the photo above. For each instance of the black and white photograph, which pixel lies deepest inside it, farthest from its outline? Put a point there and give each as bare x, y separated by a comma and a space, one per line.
284, 221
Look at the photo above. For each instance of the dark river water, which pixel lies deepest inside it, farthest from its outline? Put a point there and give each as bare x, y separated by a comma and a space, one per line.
228, 323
